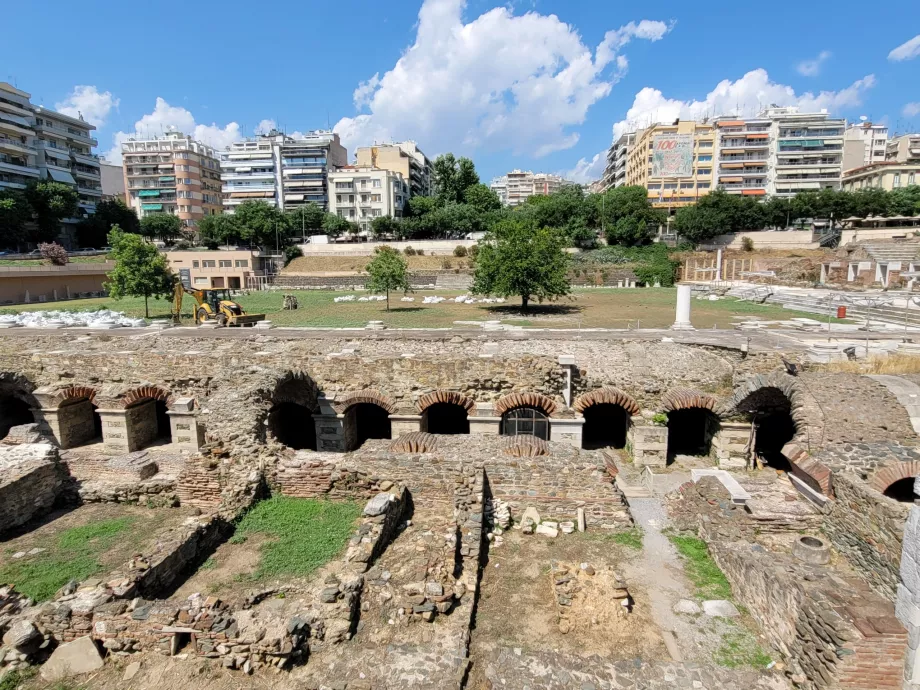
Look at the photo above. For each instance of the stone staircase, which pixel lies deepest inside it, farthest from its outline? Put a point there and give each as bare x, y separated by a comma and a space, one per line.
454, 281
903, 252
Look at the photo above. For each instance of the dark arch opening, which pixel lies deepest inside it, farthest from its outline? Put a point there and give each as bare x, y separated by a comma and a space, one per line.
365, 421
84, 423
902, 490
770, 411
445, 418
292, 424
605, 426
164, 432
13, 412
525, 421
690, 431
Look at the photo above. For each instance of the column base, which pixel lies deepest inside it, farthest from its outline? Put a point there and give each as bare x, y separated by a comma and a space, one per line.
682, 326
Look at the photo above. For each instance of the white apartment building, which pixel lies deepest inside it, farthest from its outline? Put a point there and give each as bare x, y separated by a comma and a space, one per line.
806, 151
743, 161
286, 172
863, 144
615, 172
18, 154
65, 154
499, 185
517, 186
404, 157
360, 194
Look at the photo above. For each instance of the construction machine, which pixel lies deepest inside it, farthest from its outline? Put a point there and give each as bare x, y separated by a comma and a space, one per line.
213, 305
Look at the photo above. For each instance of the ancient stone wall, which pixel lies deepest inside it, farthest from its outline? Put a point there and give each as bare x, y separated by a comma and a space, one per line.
32, 479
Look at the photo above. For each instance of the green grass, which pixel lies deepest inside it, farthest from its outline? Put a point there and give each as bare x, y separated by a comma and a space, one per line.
740, 649
15, 679
631, 538
710, 582
38, 262
585, 308
307, 533
74, 556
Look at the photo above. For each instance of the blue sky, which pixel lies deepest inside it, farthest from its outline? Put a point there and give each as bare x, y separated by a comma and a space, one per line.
534, 84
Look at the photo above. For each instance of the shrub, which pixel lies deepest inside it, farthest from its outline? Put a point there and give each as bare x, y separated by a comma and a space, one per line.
445, 263
183, 244
409, 251
459, 251
747, 244
473, 252
420, 252
660, 419
54, 253
291, 253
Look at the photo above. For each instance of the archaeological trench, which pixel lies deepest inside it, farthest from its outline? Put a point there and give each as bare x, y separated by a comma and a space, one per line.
484, 470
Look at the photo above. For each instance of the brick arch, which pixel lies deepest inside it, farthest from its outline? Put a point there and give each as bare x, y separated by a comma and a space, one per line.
73, 393
806, 413
446, 397
369, 395
889, 474
687, 398
515, 400
606, 396
142, 393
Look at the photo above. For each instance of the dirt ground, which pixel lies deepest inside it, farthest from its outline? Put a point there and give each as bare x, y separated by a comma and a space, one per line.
227, 572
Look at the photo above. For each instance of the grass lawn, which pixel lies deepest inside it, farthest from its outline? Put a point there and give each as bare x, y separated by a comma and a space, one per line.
101, 258
303, 533
710, 582
589, 308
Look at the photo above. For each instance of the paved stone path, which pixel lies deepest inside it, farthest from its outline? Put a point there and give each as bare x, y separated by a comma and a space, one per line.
907, 393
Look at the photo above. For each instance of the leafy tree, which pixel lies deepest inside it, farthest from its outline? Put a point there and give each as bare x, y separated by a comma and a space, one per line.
54, 253
263, 224
305, 220
15, 213
421, 205
140, 270
219, 229
904, 201
480, 197
50, 203
164, 226
452, 177
334, 225
522, 260
387, 271
385, 226
627, 202
291, 253
777, 212
93, 230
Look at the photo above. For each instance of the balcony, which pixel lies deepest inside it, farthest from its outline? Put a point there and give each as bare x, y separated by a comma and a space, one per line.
10, 144
19, 168
228, 189
90, 191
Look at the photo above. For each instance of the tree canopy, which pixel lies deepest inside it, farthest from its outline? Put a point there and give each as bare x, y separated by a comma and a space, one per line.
140, 270
452, 177
93, 231
387, 271
50, 203
521, 259
163, 226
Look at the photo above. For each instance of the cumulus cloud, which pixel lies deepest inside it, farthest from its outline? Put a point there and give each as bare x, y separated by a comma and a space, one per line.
812, 68
911, 109
906, 51
743, 97
265, 126
169, 118
500, 81
88, 102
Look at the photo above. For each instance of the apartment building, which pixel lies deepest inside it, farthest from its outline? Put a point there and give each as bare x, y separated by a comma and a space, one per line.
172, 174
404, 158
806, 151
362, 193
864, 143
113, 180
903, 148
615, 172
18, 154
901, 167
743, 155
517, 186
65, 154
286, 172
673, 162
499, 185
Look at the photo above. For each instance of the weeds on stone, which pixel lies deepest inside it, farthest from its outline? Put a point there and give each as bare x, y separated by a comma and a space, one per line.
15, 679
710, 582
73, 557
209, 564
740, 649
631, 538
307, 533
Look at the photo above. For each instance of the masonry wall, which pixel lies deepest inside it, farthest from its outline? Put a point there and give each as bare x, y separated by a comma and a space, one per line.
31, 481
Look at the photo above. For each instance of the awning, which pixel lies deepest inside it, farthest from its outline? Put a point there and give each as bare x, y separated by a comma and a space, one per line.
726, 152
251, 195
152, 207
15, 119
293, 197
757, 136
732, 165
755, 163
60, 176
167, 179
342, 179
244, 168
730, 123
753, 192
165, 165
149, 192
730, 179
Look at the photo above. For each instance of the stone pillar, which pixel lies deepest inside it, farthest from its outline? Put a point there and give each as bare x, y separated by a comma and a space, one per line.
70, 425
719, 264
907, 604
647, 444
187, 434
330, 432
568, 363
566, 431
485, 422
729, 442
114, 431
404, 423
682, 319
128, 429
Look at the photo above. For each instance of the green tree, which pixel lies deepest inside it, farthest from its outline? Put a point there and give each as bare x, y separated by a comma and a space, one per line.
452, 177
421, 205
263, 224
163, 226
222, 228
480, 197
305, 220
334, 225
94, 230
140, 270
904, 201
519, 259
385, 226
627, 202
50, 203
14, 215
387, 271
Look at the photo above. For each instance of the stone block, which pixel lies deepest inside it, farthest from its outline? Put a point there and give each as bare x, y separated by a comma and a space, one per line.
72, 658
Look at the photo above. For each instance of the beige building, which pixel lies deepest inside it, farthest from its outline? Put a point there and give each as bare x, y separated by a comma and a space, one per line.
864, 143
31, 284
903, 148
887, 175
404, 158
673, 191
18, 154
743, 159
236, 269
172, 174
360, 194
517, 186
65, 154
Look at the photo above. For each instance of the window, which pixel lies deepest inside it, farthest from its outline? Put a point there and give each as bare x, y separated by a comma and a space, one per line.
195, 263
376, 212
897, 180
242, 263
363, 184
703, 185
704, 171
201, 281
525, 421
704, 159
686, 185
207, 264
375, 197
910, 179
705, 144
376, 184
225, 263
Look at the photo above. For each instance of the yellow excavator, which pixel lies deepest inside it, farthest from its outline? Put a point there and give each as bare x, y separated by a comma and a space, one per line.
213, 305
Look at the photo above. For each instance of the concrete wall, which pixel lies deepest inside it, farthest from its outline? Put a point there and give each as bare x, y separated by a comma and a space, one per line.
440, 247
860, 234
26, 284
767, 239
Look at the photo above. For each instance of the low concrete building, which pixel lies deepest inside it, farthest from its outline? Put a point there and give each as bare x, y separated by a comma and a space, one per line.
236, 269
26, 284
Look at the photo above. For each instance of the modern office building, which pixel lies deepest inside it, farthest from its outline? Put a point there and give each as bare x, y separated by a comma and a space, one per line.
286, 172
172, 174
903, 148
615, 172
65, 154
361, 193
743, 155
517, 186
864, 143
806, 151
673, 162
18, 154
404, 158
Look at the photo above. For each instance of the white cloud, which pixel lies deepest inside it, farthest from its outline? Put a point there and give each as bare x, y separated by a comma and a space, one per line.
168, 118
265, 126
911, 109
87, 100
499, 81
906, 51
742, 97
812, 68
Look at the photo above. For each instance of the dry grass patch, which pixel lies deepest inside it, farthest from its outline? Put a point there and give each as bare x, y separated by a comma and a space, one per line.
892, 364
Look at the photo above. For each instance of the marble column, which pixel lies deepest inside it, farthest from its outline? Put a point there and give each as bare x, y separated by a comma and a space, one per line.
682, 320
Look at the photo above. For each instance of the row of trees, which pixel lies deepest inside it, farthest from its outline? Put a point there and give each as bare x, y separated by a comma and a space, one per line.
34, 215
